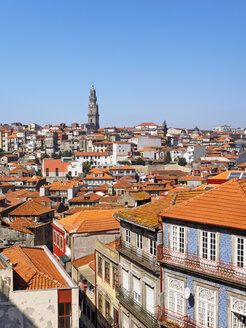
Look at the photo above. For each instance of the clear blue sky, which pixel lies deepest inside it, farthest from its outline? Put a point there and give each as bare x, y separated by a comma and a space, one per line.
179, 60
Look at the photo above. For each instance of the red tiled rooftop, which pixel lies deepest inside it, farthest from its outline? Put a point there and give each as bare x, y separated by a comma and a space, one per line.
34, 269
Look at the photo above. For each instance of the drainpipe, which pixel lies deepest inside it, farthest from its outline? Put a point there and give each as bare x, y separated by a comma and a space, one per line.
95, 290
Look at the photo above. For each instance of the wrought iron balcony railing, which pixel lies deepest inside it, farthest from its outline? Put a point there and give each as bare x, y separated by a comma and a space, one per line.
143, 258
220, 269
144, 316
170, 319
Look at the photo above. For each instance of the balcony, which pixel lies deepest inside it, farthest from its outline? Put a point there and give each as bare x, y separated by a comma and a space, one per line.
216, 269
135, 254
170, 319
145, 317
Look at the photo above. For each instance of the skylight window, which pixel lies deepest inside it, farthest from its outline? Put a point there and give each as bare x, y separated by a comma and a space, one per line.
234, 175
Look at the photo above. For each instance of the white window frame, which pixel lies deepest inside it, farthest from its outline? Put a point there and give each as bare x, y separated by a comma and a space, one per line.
128, 236
238, 311
137, 293
240, 259
178, 239
211, 248
139, 241
175, 295
152, 247
206, 306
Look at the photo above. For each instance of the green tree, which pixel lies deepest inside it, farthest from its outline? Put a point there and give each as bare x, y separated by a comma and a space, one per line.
69, 175
138, 161
167, 157
66, 154
182, 161
86, 167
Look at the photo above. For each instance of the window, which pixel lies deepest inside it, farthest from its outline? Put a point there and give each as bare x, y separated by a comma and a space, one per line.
115, 276
139, 241
136, 289
88, 312
61, 242
125, 279
176, 295
54, 237
92, 317
152, 247
107, 272
150, 299
57, 172
64, 309
208, 249
178, 239
206, 306
238, 313
99, 268
100, 302
107, 309
241, 252
47, 172
116, 317
128, 236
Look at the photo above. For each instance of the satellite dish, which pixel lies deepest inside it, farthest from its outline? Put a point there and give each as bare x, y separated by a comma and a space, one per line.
187, 293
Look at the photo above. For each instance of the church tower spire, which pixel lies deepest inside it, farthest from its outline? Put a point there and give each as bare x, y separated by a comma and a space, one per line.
93, 114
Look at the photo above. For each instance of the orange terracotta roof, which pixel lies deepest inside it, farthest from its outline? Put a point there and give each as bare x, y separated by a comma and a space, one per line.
192, 178
104, 177
90, 221
147, 124
222, 206
148, 215
141, 195
34, 269
88, 198
61, 185
109, 199
91, 153
112, 244
100, 206
30, 208
103, 187
23, 225
121, 185
83, 260
92, 265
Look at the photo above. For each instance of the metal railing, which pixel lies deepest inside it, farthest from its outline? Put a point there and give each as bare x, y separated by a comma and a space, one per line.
220, 269
174, 320
144, 316
143, 258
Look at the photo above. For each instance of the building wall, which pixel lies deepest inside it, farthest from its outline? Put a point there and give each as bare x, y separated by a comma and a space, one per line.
39, 308
85, 244
148, 141
106, 288
228, 295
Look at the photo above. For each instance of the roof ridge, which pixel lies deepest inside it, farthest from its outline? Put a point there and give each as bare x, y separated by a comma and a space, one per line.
26, 257
238, 183
190, 199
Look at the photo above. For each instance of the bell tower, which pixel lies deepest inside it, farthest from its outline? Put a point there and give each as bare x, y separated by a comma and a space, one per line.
93, 115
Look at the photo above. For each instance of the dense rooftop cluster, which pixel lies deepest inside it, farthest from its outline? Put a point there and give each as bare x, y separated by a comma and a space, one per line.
126, 217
